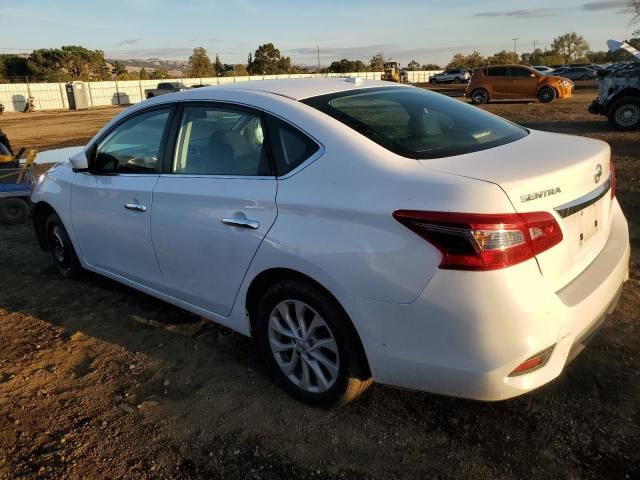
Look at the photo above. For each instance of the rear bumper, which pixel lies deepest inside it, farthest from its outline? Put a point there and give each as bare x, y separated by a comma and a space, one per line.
469, 330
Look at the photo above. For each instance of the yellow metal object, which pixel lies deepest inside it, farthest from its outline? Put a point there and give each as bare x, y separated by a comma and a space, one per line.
28, 163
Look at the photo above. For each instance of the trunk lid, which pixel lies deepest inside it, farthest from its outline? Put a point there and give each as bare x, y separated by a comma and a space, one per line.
553, 173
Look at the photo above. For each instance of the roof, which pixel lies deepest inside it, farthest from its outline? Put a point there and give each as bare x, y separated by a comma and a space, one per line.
301, 88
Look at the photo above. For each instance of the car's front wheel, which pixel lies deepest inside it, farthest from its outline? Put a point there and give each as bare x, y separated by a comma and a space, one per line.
309, 346
479, 96
61, 248
624, 114
546, 95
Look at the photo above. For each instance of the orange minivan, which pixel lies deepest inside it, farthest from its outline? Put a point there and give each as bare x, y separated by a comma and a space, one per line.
502, 82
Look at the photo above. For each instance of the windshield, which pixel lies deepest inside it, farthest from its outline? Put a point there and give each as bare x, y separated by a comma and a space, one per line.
416, 123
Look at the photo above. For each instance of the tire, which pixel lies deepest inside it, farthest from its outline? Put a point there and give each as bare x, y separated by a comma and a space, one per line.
479, 96
14, 210
433, 81
62, 251
457, 80
546, 95
584, 77
343, 375
4, 140
624, 114
150, 95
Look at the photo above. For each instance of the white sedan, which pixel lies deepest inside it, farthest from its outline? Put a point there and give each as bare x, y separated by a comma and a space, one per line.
359, 231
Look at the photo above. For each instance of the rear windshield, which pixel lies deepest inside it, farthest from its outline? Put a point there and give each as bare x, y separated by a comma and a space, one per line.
416, 123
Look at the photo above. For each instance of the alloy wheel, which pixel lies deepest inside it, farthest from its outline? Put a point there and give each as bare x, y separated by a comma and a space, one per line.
303, 346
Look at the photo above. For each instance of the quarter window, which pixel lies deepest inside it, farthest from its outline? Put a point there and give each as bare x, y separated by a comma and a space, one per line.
291, 147
134, 146
220, 141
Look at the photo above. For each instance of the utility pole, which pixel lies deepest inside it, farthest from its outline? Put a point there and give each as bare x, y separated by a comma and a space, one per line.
318, 47
533, 54
515, 46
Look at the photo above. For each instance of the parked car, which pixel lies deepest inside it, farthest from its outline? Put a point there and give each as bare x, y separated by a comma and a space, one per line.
480, 273
164, 88
619, 97
577, 73
456, 75
543, 69
515, 82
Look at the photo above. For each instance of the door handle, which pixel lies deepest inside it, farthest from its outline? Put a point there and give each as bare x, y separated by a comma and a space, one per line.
241, 222
136, 207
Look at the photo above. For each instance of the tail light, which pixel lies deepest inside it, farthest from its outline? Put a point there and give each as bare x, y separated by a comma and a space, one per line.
612, 168
471, 241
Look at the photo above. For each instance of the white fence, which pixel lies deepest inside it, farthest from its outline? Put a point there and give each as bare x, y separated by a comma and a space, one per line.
52, 96
421, 76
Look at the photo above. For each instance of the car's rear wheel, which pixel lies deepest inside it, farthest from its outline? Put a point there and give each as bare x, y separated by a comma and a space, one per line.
479, 96
14, 210
308, 345
61, 248
624, 114
546, 95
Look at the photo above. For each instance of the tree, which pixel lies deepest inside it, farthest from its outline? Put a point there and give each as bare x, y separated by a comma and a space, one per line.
431, 66
472, 60
200, 64
160, 73
413, 65
218, 68
13, 66
70, 62
570, 46
503, 57
240, 70
118, 69
268, 61
346, 66
143, 74
376, 64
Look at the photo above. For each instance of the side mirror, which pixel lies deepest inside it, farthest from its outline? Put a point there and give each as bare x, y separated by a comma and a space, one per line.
79, 161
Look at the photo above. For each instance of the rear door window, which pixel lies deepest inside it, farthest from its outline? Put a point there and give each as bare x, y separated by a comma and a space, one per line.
520, 72
497, 71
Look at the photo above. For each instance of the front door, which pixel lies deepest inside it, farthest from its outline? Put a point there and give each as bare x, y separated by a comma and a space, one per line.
111, 204
523, 85
214, 205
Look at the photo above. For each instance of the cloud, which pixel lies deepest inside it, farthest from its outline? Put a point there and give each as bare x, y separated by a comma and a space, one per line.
605, 5
524, 13
131, 41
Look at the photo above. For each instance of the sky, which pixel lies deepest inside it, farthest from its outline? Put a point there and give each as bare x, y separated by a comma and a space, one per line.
424, 30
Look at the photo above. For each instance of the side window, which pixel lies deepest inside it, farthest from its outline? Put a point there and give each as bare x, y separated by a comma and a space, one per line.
290, 146
134, 146
520, 72
497, 72
220, 141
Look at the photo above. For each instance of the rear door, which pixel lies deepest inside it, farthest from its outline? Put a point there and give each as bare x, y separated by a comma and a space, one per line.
214, 203
111, 204
499, 82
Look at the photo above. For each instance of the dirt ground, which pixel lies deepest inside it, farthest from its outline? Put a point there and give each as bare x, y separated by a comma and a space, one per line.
100, 381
